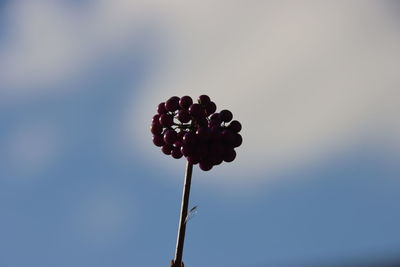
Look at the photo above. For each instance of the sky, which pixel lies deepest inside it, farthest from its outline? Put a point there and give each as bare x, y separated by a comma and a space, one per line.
315, 85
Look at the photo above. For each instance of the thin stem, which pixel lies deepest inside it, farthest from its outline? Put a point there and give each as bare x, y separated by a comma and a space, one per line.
184, 211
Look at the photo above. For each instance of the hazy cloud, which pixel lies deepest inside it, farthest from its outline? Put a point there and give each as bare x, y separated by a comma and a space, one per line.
305, 78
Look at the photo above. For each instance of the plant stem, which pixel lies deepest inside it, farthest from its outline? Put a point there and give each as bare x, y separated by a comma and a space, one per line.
184, 210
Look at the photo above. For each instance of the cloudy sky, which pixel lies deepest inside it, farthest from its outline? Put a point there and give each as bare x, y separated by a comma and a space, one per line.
315, 85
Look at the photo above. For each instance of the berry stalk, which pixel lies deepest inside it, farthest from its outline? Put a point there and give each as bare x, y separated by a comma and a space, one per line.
182, 221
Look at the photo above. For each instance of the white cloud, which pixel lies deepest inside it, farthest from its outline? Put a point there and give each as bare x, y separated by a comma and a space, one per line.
306, 79
50, 41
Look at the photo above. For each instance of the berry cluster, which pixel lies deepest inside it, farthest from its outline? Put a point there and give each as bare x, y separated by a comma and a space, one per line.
196, 131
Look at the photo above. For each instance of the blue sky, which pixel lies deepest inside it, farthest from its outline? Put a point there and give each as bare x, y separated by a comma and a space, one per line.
316, 87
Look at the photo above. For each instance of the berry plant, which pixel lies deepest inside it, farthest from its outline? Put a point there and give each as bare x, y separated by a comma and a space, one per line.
196, 131
200, 134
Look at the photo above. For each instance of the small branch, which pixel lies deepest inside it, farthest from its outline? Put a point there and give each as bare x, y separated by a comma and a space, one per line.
184, 211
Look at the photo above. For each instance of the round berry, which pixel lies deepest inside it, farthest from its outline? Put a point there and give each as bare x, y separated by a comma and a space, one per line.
187, 150
237, 140
166, 120
227, 136
155, 119
216, 160
176, 153
178, 144
180, 135
204, 99
202, 122
185, 102
215, 133
189, 138
161, 108
203, 133
158, 140
235, 126
166, 149
201, 151
170, 137
172, 104
183, 116
205, 165
196, 111
156, 128
214, 123
216, 149
210, 108
215, 117
229, 155
225, 115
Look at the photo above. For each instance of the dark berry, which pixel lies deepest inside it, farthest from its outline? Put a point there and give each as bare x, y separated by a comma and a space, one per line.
187, 150
183, 116
172, 104
214, 123
166, 120
237, 140
201, 151
161, 108
215, 133
178, 144
210, 108
196, 111
156, 128
202, 122
180, 135
185, 102
215, 117
225, 115
203, 133
176, 153
216, 149
170, 137
204, 99
229, 155
216, 160
166, 149
189, 138
235, 126
158, 140
227, 136
155, 118
205, 165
